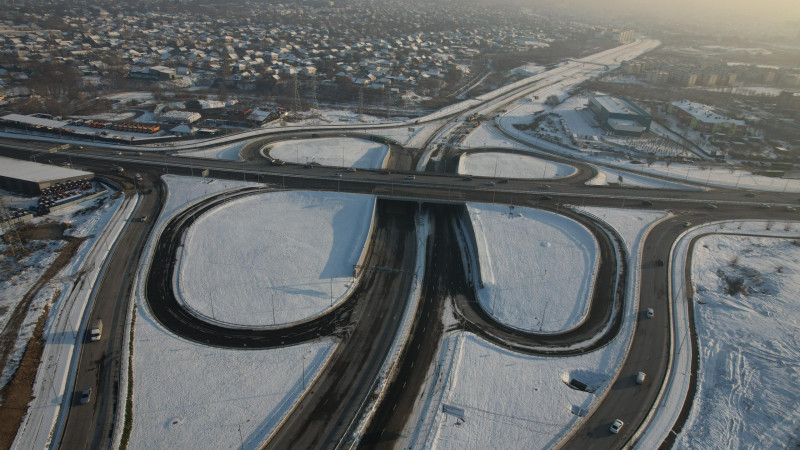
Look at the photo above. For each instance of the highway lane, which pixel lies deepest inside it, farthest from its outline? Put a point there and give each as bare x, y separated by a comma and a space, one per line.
92, 425
427, 186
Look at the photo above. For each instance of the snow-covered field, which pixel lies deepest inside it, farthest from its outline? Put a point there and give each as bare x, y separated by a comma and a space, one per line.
514, 401
746, 316
188, 395
337, 152
485, 136
274, 258
185, 393
721, 176
537, 267
228, 152
607, 176
506, 165
529, 70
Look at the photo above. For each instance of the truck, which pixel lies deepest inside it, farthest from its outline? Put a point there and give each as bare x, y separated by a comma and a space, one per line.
96, 330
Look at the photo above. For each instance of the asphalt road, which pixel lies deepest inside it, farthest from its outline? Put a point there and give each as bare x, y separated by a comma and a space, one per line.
91, 426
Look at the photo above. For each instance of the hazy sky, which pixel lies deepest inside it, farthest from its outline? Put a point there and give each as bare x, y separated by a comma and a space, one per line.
756, 10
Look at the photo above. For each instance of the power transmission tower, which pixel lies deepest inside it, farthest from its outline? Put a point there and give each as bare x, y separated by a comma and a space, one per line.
361, 104
296, 98
11, 236
315, 112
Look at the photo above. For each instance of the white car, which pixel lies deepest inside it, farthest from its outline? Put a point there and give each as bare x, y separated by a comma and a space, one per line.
616, 426
650, 313
86, 395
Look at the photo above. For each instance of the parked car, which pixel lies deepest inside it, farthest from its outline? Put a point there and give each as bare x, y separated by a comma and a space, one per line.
616, 426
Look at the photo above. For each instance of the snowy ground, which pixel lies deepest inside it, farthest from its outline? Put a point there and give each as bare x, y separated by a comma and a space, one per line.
711, 176
722, 176
749, 357
228, 152
484, 136
274, 258
184, 392
607, 176
336, 152
674, 391
514, 401
505, 165
131, 96
19, 276
537, 267
528, 70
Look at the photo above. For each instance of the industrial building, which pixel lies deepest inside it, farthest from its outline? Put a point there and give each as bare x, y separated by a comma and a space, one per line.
30, 177
703, 118
618, 116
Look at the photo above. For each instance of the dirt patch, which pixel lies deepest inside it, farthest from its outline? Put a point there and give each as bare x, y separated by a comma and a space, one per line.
48, 230
19, 392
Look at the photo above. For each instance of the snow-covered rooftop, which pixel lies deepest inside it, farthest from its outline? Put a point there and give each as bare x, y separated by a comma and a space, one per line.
32, 120
615, 105
35, 172
704, 113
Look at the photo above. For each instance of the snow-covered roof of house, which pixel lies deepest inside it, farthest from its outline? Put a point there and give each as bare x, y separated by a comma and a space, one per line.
36, 172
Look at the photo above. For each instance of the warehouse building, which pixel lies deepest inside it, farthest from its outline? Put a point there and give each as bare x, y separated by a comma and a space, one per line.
703, 118
30, 177
618, 116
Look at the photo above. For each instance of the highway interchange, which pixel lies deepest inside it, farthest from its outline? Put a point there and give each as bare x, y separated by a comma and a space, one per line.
317, 424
